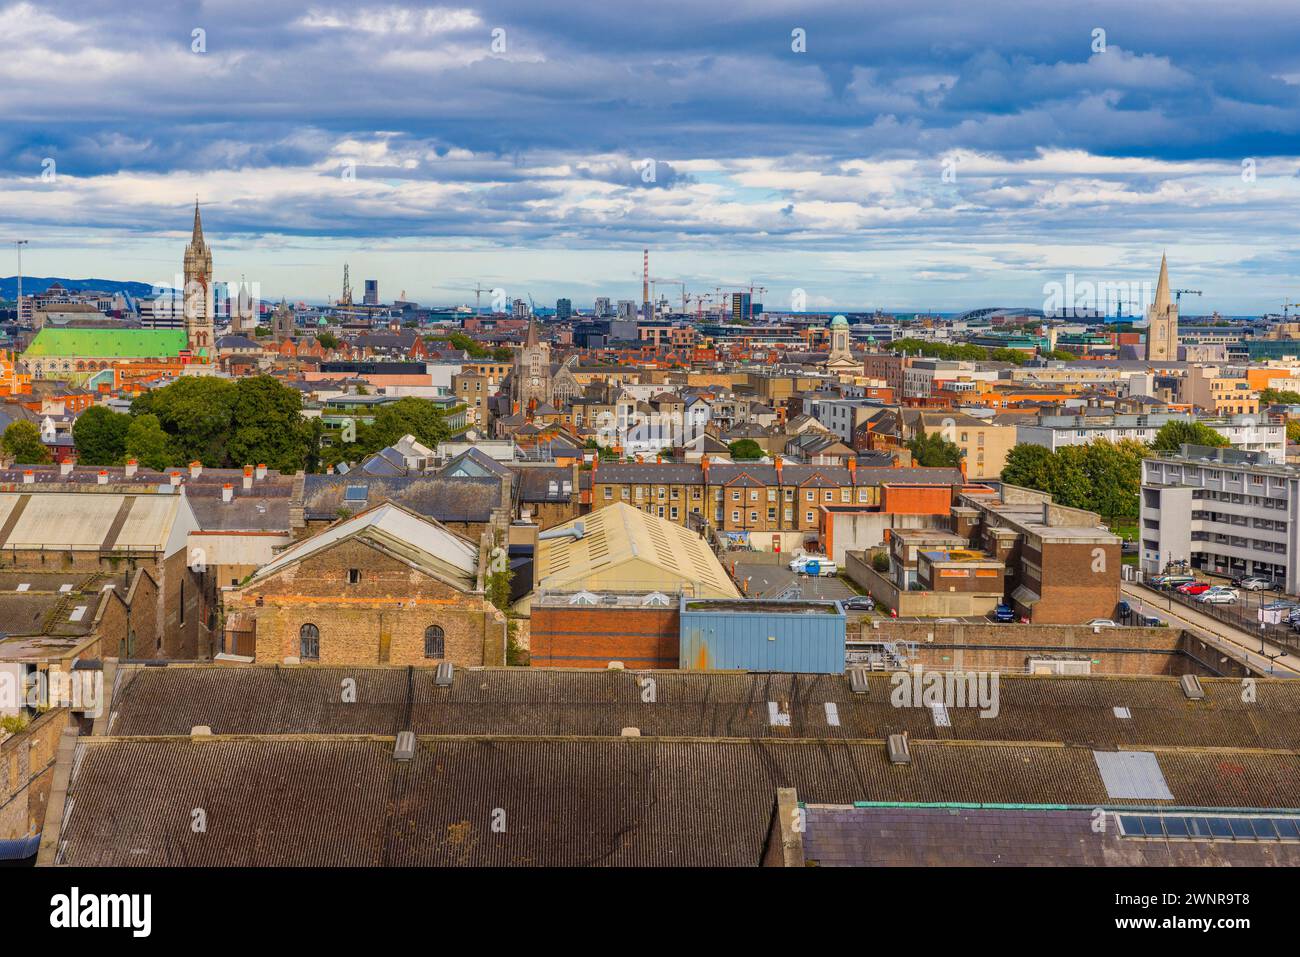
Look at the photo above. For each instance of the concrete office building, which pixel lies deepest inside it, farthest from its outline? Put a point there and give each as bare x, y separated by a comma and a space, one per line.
1223, 511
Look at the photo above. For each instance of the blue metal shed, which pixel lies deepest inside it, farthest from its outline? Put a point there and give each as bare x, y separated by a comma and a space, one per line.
762, 635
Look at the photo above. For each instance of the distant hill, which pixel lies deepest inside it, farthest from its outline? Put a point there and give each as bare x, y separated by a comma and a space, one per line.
37, 284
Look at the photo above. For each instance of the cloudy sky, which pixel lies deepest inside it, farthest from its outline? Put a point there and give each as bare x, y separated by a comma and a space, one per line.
906, 155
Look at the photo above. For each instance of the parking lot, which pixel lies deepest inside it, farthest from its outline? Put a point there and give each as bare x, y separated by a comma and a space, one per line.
1244, 613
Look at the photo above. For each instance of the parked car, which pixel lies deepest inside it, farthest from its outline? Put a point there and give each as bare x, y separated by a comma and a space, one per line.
1218, 596
1102, 623
1173, 581
1151, 621
1194, 588
1004, 613
859, 603
813, 565
1252, 583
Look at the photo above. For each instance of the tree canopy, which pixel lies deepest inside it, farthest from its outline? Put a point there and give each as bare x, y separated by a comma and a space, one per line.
1178, 433
1102, 476
745, 450
99, 434
22, 440
932, 450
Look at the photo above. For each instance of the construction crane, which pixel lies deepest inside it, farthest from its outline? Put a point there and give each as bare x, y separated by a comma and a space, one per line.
669, 282
477, 289
1178, 296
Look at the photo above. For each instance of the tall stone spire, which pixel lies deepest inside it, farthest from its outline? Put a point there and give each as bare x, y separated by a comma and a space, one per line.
196, 240
1162, 321
198, 290
1162, 285
532, 333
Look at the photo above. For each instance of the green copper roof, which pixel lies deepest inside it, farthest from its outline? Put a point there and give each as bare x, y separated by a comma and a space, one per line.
108, 343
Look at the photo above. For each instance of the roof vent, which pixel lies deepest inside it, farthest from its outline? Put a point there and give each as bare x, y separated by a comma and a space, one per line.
201, 731
1192, 687
858, 680
615, 666
631, 732
404, 749
442, 677
899, 753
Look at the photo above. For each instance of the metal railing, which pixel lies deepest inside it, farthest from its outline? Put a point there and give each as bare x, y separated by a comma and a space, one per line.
1235, 615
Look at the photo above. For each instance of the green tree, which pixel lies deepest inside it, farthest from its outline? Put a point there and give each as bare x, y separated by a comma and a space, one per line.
1115, 474
407, 416
267, 425
327, 340
1029, 466
195, 412
1071, 485
1293, 430
745, 450
22, 441
100, 436
1014, 356
932, 450
1177, 433
1278, 397
147, 443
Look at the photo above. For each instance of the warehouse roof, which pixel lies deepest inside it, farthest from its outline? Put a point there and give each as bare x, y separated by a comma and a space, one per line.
94, 521
623, 547
565, 802
511, 701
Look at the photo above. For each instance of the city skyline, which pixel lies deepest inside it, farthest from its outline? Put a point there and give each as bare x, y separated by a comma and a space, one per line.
962, 158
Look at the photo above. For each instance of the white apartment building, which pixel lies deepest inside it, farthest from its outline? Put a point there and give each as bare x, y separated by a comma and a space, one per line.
1223, 511
1245, 433
922, 376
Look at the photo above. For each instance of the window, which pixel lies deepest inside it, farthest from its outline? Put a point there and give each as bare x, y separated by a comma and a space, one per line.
434, 642
309, 643
609, 493
354, 576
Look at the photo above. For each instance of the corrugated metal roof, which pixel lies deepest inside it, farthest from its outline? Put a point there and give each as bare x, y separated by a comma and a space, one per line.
1132, 774
564, 802
620, 535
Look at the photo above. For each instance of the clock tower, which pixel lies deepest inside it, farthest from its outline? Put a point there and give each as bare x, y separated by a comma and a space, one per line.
198, 291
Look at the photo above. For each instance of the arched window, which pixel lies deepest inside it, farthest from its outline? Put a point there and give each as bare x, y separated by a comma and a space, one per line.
434, 645
309, 643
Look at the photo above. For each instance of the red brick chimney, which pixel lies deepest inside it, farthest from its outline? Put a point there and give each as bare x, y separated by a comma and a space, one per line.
853, 467
704, 467
779, 466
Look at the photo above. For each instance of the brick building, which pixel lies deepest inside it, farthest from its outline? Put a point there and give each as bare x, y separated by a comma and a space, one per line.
384, 587
772, 506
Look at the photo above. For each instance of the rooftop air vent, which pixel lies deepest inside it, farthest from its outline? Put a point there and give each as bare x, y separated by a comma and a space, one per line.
858, 680
404, 749
631, 732
442, 677
899, 753
1192, 687
201, 731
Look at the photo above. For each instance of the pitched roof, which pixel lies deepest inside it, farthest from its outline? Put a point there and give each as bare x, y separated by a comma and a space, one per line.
107, 343
398, 531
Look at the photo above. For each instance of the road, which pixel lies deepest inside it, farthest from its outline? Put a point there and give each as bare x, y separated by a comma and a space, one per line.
1274, 660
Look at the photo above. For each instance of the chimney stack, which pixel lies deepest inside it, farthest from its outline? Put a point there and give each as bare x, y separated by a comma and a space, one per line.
853, 466
227, 492
132, 466
248, 477
196, 469
176, 478
261, 471
780, 465
103, 477
704, 467
28, 476
65, 468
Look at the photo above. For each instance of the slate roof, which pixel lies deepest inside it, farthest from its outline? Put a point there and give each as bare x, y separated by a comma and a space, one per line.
445, 499
849, 836
339, 801
721, 473
1069, 709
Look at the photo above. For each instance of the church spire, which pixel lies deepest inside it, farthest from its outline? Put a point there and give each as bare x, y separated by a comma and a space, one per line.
197, 238
531, 341
1162, 286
